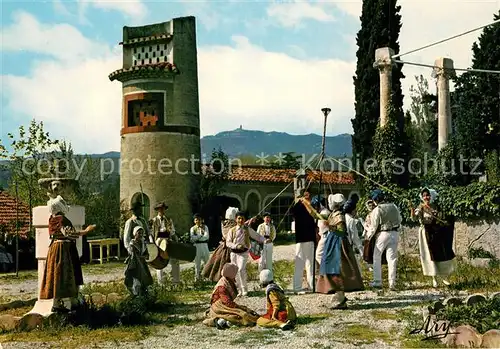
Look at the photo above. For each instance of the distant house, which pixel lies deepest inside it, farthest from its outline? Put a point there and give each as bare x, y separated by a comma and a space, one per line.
8, 215
253, 188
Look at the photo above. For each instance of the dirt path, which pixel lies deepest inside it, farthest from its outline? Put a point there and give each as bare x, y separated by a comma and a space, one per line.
372, 320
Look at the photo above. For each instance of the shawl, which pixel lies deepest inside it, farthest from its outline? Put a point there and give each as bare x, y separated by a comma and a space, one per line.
228, 285
273, 287
57, 225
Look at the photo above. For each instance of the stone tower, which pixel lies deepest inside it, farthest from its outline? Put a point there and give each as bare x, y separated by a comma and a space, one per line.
160, 132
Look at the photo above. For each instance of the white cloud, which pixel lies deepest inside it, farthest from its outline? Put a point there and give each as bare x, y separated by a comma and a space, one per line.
292, 14
132, 8
239, 84
426, 22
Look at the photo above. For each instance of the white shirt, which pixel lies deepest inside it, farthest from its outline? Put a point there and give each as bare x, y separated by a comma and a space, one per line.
199, 233
352, 232
384, 217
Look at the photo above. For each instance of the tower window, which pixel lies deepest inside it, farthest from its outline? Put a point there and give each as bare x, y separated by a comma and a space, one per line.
146, 55
142, 49
135, 62
157, 59
146, 112
150, 48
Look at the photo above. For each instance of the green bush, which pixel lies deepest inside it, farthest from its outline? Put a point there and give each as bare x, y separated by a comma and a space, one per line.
484, 316
472, 203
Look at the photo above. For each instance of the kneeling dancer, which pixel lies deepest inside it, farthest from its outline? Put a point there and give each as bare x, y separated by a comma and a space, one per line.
223, 310
280, 312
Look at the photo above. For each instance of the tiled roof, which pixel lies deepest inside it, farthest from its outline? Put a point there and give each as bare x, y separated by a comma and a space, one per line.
8, 211
146, 39
278, 175
145, 69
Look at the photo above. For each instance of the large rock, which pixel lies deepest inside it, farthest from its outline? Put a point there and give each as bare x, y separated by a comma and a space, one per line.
474, 299
9, 322
31, 321
464, 336
452, 301
491, 339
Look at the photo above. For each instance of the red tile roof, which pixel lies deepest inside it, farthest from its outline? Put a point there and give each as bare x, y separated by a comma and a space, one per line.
279, 175
8, 212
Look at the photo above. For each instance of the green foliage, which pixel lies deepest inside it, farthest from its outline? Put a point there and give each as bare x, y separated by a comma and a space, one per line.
423, 114
213, 180
380, 27
28, 159
471, 203
476, 100
484, 316
290, 160
390, 166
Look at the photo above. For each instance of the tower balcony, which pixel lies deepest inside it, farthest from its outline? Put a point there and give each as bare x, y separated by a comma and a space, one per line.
145, 71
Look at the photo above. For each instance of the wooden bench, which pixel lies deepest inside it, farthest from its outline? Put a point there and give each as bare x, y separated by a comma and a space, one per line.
108, 243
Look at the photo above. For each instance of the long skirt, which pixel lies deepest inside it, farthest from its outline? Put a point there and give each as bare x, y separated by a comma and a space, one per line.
235, 316
63, 271
431, 267
137, 274
213, 268
349, 280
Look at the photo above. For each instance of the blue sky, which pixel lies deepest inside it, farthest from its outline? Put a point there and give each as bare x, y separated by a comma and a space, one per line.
262, 65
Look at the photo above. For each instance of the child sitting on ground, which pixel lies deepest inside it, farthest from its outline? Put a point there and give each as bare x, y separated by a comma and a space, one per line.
280, 312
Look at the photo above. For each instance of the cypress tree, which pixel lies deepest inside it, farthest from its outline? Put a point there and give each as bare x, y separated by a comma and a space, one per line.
380, 27
476, 104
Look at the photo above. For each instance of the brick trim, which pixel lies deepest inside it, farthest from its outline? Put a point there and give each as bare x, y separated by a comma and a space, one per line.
188, 130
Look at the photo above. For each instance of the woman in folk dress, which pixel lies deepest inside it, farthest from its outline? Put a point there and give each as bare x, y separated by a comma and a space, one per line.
223, 311
435, 238
222, 253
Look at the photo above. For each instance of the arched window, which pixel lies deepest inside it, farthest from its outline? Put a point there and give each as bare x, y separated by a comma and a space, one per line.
147, 206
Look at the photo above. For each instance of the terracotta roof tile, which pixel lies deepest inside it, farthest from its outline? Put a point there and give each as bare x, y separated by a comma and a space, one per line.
8, 210
278, 175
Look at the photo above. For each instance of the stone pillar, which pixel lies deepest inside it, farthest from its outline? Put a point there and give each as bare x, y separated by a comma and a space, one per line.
41, 216
443, 71
383, 62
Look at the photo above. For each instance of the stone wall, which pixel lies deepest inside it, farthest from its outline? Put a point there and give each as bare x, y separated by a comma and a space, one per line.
464, 235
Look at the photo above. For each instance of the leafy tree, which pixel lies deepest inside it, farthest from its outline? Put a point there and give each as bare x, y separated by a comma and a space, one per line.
99, 194
423, 111
476, 103
214, 179
28, 160
290, 160
380, 26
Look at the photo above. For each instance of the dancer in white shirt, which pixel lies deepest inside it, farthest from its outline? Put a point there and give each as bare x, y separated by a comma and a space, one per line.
199, 237
268, 231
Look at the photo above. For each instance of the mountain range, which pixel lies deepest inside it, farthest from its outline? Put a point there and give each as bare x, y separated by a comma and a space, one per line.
254, 143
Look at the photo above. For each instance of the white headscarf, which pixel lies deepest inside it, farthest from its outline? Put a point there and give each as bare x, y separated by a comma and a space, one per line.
58, 205
433, 193
231, 213
335, 200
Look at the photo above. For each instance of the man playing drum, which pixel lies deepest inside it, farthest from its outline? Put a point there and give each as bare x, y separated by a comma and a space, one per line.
163, 232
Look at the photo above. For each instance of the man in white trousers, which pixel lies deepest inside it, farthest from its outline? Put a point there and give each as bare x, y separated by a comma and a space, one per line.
238, 240
385, 221
305, 238
268, 231
199, 237
163, 231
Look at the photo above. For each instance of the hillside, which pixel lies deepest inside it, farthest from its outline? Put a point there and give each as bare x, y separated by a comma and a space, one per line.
241, 141
248, 144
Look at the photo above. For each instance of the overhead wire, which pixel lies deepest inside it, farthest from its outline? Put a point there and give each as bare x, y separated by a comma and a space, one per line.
457, 69
444, 40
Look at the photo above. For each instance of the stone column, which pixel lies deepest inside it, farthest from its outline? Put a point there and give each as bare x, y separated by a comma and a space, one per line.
443, 71
383, 62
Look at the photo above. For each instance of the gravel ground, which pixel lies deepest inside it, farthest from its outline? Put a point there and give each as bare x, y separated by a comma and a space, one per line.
325, 327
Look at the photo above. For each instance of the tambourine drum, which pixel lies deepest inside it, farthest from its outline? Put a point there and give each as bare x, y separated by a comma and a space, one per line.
158, 258
181, 251
255, 249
